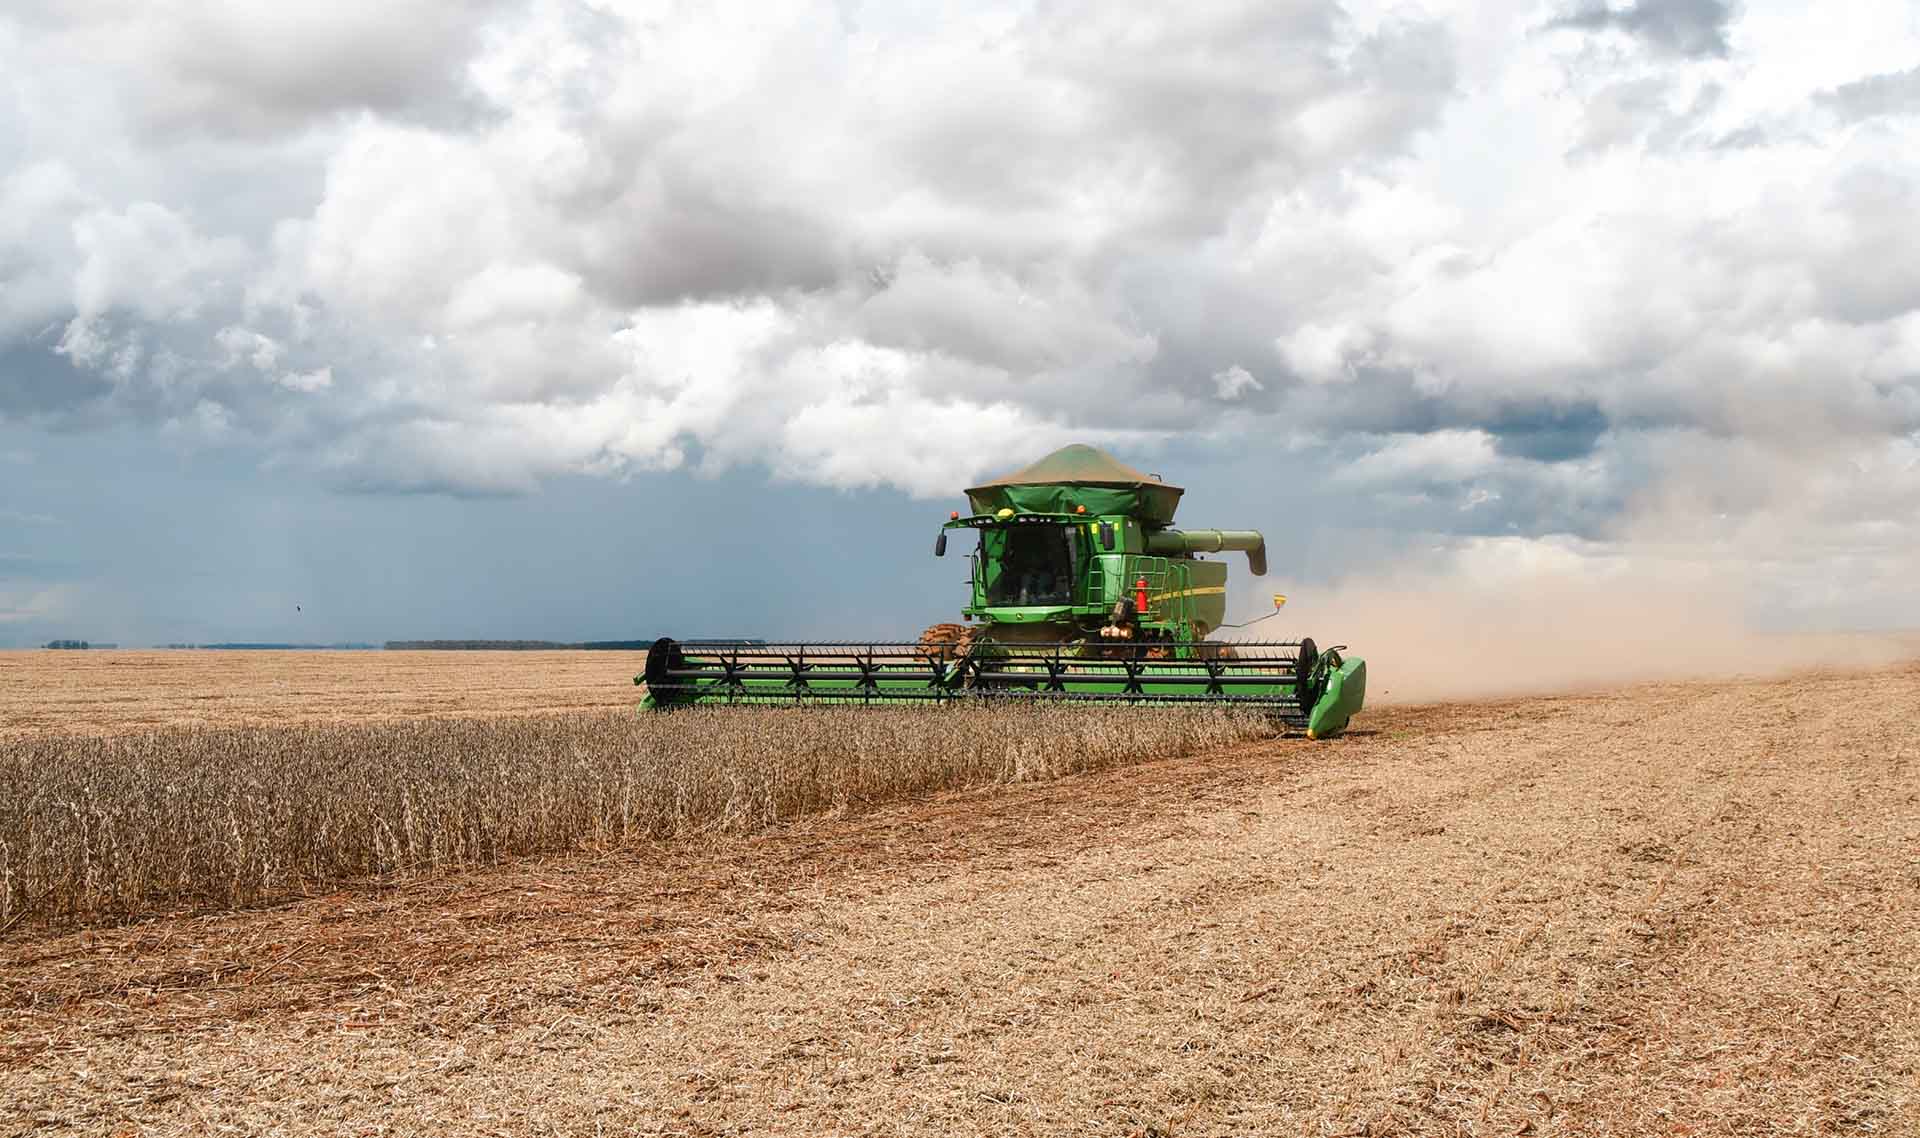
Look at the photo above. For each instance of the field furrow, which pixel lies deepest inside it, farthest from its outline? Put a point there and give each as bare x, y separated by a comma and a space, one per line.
1676, 909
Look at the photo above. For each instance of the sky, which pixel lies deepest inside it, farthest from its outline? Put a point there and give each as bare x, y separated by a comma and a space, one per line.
603, 320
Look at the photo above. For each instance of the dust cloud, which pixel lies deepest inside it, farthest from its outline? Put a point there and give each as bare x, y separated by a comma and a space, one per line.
1454, 638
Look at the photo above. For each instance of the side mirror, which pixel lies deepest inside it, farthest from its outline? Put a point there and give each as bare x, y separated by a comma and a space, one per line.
1106, 536
940, 544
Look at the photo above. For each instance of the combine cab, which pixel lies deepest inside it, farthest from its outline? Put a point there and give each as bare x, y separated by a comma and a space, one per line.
1081, 590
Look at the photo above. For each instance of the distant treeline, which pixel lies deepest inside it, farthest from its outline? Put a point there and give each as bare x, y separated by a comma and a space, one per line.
77, 644
278, 647
516, 645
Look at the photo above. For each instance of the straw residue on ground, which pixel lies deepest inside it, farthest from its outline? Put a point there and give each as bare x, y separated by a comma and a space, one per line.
1675, 909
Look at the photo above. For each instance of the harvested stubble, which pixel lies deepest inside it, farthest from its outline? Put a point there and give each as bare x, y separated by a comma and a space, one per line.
98, 828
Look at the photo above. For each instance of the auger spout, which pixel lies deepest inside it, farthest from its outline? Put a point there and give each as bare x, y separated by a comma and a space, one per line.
1178, 542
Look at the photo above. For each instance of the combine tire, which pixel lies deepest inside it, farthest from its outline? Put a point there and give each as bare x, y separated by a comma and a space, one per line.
1303, 674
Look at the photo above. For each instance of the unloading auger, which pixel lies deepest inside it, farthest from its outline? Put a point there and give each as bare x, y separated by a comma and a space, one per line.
1081, 590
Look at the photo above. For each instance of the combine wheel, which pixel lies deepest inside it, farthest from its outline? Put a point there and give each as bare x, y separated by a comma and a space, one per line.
1303, 675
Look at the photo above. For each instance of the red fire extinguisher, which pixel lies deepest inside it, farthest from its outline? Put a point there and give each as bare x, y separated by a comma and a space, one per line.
1140, 596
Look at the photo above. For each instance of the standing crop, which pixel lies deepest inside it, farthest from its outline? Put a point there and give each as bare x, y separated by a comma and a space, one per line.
107, 827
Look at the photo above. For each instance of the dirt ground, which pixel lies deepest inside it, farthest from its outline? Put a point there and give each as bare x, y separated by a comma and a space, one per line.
96, 691
1674, 909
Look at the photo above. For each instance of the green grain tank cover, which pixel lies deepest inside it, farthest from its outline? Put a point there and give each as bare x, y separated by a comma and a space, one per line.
1079, 475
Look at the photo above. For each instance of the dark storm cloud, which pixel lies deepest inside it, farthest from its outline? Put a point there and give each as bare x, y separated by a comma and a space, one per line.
1380, 402
1545, 432
1692, 28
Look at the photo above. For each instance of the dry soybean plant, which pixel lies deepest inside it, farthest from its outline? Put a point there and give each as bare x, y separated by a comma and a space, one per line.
102, 828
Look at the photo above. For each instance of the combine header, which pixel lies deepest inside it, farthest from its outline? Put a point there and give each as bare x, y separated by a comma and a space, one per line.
1082, 590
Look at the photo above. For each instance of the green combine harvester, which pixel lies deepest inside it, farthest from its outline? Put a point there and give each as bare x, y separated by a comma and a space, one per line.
1081, 590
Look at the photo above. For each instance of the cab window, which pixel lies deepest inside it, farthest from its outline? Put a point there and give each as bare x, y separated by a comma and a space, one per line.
1031, 564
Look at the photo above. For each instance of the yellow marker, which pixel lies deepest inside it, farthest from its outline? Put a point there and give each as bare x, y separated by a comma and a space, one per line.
1005, 513
1310, 734
1279, 599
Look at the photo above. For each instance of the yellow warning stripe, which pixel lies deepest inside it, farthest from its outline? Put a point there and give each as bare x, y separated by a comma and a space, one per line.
1202, 591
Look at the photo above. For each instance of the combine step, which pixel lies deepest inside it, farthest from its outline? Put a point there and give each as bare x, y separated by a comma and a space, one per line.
1291, 679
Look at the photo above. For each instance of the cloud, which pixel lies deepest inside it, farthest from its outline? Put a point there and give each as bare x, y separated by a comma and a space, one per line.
319, 379
1676, 27
1892, 93
208, 67
1511, 281
1234, 382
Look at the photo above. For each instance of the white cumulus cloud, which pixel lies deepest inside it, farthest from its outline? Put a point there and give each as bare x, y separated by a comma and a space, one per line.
1534, 258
